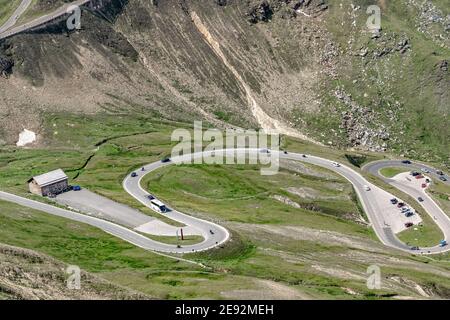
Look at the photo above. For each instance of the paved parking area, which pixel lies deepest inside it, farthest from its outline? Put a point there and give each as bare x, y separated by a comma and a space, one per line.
93, 204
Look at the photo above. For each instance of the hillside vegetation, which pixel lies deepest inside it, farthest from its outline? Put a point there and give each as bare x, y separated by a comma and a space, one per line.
310, 67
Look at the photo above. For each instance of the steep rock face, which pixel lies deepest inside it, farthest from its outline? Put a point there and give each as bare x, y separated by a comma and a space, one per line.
254, 63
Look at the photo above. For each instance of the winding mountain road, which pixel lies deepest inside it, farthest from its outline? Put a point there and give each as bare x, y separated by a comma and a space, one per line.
373, 202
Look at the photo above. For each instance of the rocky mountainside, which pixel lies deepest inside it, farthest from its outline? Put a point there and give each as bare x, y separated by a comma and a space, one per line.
308, 68
25, 274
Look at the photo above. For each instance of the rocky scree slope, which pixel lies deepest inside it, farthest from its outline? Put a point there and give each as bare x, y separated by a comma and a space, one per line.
304, 66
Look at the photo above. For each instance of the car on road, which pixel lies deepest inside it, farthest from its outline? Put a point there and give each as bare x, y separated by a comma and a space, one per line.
439, 173
264, 151
165, 160
425, 170
210, 231
420, 199
409, 224
304, 156
367, 188
285, 152
443, 178
414, 173
394, 201
335, 164
406, 162
415, 248
150, 197
133, 174
443, 243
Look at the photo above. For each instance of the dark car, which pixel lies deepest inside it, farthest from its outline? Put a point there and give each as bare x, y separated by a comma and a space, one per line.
409, 224
443, 179
304, 156
420, 199
285, 152
400, 205
133, 174
150, 197
406, 162
415, 173
210, 231
165, 160
415, 248
439, 173
394, 201
76, 188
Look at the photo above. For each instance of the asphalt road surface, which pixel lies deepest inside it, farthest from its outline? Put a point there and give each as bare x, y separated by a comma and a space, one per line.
214, 235
41, 20
15, 16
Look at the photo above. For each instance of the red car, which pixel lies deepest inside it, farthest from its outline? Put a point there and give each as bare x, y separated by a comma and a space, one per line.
419, 177
424, 185
409, 224
400, 205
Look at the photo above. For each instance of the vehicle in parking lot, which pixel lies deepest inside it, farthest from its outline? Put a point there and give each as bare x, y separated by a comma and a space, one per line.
76, 188
406, 162
133, 174
394, 201
420, 199
424, 185
425, 170
443, 243
414, 173
419, 177
400, 205
409, 213
409, 224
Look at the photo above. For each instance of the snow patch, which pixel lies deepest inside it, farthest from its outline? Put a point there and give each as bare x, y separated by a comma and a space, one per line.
26, 137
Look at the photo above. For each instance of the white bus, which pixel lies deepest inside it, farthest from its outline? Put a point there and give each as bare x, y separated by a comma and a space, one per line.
159, 206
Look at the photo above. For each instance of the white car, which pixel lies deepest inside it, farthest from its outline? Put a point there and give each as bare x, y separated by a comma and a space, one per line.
335, 164
367, 188
425, 170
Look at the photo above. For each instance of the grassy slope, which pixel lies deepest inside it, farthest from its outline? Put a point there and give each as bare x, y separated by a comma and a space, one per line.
392, 172
240, 265
7, 7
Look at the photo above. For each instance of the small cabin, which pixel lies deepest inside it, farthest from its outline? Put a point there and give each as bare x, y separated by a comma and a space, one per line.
49, 184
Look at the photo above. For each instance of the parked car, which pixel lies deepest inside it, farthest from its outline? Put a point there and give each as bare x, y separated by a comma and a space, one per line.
424, 185
165, 160
409, 214
76, 188
210, 231
150, 197
443, 243
406, 162
400, 205
394, 201
414, 173
419, 177
133, 174
443, 178
439, 173
425, 170
420, 199
409, 224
